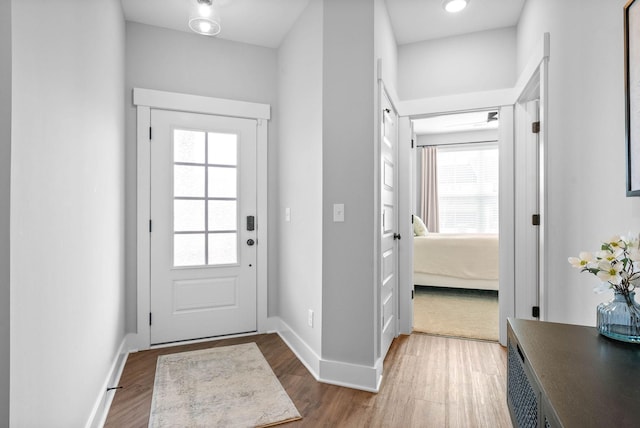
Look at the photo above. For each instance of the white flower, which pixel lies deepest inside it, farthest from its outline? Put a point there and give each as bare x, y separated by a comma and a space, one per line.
583, 260
616, 264
616, 242
631, 241
609, 256
609, 272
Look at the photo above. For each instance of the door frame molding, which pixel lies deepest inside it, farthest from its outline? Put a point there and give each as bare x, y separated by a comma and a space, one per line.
505, 99
475, 102
147, 99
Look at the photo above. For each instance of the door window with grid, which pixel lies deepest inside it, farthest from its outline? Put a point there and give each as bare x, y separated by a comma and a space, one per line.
205, 198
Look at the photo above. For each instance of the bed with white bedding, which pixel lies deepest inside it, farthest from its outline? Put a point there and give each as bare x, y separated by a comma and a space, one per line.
456, 260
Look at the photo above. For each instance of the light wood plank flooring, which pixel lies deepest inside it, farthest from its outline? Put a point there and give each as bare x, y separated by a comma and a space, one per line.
429, 381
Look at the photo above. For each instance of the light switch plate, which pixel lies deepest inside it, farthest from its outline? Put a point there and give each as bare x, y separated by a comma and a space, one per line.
287, 214
338, 212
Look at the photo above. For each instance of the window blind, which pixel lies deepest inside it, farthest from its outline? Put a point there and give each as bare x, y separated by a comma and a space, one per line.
468, 188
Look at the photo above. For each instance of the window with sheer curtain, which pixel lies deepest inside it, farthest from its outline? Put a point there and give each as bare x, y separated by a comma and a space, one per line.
468, 188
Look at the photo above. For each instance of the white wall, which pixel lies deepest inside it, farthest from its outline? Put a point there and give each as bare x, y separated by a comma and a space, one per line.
586, 148
348, 177
67, 207
193, 64
300, 176
473, 62
5, 178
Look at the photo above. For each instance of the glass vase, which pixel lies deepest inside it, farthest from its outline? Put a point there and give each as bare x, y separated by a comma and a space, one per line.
619, 318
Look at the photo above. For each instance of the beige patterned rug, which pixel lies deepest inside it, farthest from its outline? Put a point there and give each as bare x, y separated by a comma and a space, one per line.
230, 386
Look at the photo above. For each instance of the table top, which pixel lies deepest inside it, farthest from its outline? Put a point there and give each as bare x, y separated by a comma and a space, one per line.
588, 379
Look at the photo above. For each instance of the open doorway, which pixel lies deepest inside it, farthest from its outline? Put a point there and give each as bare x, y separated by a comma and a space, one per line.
456, 225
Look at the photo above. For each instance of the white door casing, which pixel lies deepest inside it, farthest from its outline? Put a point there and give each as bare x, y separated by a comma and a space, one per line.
406, 208
203, 209
389, 222
145, 100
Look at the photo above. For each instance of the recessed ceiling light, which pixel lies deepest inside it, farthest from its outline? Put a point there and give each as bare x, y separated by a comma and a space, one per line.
454, 6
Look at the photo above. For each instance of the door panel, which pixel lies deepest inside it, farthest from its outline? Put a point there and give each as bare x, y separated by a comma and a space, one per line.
527, 191
389, 209
203, 257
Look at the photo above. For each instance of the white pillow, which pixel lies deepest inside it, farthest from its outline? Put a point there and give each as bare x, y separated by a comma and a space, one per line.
419, 228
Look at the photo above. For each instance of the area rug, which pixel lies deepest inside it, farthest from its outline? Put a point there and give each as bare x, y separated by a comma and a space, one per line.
456, 312
230, 386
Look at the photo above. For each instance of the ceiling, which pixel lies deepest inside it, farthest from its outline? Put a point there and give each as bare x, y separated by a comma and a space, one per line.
419, 20
257, 22
267, 22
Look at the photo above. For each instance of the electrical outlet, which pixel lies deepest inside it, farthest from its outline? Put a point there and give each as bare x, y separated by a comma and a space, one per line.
310, 318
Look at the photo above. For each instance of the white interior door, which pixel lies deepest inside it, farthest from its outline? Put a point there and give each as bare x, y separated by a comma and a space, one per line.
203, 237
389, 229
527, 233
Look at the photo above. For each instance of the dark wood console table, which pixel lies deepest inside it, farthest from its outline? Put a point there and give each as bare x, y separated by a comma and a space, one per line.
562, 375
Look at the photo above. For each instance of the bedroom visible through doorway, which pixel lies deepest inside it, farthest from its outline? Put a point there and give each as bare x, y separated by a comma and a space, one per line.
456, 223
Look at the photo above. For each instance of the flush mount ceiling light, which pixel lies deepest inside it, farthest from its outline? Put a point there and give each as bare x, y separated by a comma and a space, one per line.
207, 20
453, 6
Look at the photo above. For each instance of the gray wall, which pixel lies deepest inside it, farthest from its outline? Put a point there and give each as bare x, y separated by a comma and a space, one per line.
473, 62
386, 47
300, 176
5, 177
348, 111
586, 146
67, 207
193, 64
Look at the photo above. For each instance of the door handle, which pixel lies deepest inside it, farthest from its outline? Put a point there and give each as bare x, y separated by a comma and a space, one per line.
250, 242
396, 236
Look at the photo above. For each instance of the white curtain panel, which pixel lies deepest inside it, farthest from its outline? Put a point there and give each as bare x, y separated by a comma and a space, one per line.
429, 206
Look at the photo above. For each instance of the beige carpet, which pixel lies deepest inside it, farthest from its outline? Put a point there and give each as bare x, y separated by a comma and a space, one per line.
456, 312
230, 386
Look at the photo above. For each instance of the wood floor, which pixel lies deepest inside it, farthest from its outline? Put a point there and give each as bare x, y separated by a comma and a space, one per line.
429, 381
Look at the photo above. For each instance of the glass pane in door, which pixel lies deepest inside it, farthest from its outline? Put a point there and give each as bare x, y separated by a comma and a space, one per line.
205, 198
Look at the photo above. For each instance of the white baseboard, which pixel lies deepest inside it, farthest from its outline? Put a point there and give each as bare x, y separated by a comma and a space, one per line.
349, 375
305, 354
356, 376
98, 415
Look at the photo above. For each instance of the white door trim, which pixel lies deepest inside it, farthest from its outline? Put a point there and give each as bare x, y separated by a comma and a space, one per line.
406, 204
145, 100
199, 104
505, 99
534, 83
506, 198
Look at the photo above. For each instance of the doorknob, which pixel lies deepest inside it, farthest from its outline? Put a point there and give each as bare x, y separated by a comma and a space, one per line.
396, 236
250, 242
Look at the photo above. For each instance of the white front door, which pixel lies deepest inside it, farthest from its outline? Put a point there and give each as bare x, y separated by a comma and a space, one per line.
203, 226
389, 209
